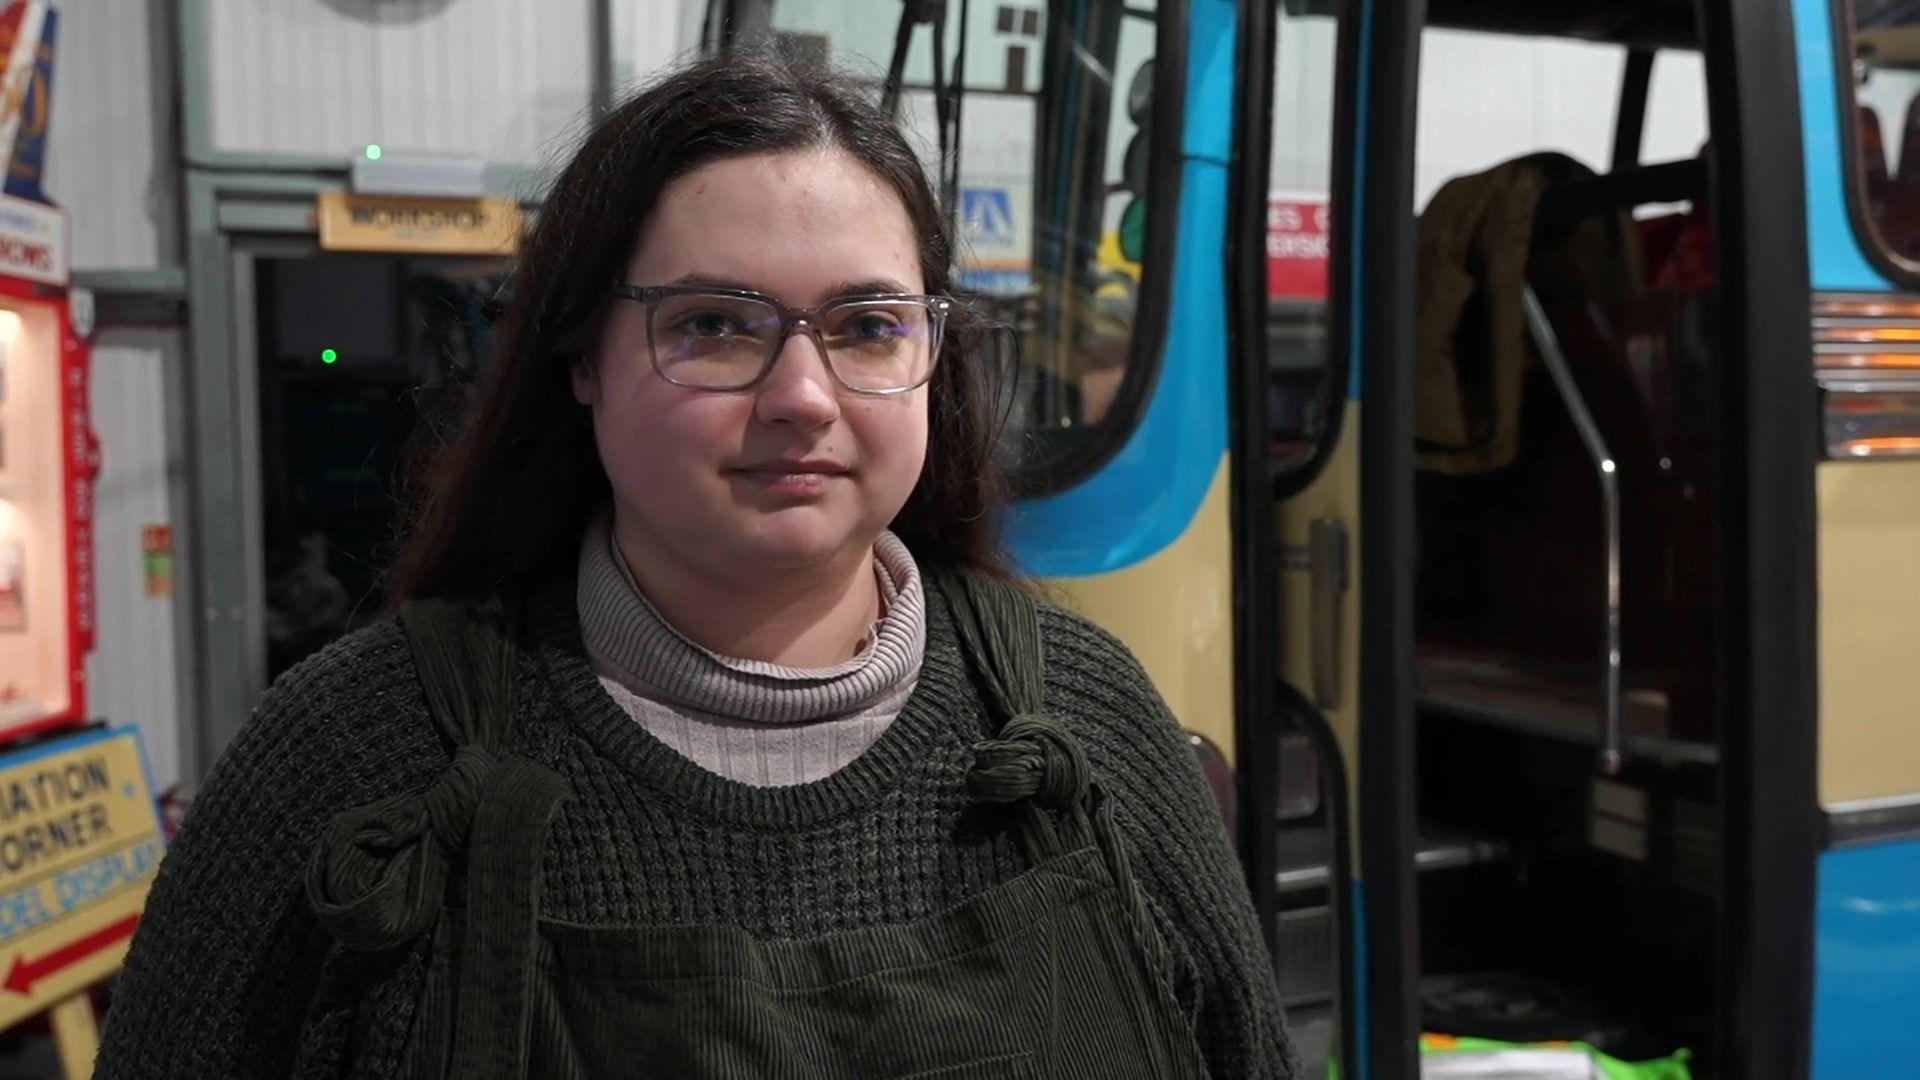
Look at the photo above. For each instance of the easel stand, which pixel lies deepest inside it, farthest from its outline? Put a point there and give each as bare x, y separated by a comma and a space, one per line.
76, 1033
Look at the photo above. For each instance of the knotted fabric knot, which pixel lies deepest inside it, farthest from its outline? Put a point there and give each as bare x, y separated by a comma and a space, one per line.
379, 871
1035, 757
452, 800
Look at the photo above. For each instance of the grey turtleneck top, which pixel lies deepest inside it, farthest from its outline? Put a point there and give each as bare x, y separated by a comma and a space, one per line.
759, 723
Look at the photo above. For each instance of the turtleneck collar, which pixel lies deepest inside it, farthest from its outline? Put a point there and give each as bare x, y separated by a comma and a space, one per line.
630, 642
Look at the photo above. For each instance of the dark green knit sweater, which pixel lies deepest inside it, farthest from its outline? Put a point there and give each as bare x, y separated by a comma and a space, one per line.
231, 976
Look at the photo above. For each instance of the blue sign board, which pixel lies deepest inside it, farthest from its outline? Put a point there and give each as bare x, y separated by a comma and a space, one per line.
986, 215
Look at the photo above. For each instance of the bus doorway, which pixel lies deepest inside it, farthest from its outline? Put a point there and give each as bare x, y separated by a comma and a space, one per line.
1518, 521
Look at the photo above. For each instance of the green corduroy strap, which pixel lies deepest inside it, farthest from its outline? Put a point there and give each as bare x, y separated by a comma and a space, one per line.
999, 625
378, 877
1034, 759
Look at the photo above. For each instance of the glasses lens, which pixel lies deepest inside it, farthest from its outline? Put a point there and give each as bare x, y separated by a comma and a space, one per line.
711, 341
881, 344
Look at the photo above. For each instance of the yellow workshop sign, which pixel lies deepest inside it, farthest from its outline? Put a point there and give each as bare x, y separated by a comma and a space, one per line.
433, 226
80, 839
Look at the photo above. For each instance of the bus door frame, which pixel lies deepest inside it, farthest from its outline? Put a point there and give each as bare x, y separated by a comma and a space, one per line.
1770, 814
1771, 824
1374, 111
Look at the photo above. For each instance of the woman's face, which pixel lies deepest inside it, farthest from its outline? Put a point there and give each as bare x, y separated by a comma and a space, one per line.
795, 473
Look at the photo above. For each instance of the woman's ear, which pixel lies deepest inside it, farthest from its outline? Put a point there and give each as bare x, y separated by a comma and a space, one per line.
586, 388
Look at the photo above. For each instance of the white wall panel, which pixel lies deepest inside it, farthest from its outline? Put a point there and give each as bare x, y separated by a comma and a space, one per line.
505, 79
1487, 98
1676, 108
101, 149
1484, 99
651, 35
1303, 92
133, 673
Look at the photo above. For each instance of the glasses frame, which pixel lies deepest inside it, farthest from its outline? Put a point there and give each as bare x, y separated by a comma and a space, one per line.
791, 319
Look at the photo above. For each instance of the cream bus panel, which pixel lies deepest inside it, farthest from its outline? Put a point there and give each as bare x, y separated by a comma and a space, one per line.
1333, 495
1869, 629
1175, 611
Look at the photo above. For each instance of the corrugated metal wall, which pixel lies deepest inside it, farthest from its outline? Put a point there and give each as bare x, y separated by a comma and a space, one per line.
1300, 159
1487, 98
133, 673
1484, 98
104, 159
508, 80
648, 35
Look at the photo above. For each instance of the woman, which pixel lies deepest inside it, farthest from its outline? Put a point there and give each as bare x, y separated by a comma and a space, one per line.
713, 740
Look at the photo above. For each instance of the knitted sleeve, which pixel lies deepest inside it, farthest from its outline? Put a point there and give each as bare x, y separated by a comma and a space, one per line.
1177, 844
229, 973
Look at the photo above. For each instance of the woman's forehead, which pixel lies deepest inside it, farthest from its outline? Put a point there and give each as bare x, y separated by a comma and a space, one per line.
797, 225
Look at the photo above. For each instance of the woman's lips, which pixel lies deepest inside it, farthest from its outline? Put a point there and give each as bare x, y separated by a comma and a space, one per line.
792, 481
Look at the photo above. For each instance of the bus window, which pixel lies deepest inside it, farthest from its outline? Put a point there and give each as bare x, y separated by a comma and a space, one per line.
1046, 158
1468, 131
1885, 75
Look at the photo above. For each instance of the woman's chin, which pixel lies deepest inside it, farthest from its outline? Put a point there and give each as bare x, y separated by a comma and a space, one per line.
794, 541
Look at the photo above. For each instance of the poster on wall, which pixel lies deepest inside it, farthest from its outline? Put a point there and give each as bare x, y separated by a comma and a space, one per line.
22, 33
1297, 241
28, 163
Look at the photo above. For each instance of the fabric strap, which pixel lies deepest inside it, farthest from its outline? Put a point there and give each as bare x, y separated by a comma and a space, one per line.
379, 876
1034, 760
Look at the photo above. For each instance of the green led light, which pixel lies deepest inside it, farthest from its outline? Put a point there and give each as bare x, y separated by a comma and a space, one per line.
328, 356
374, 151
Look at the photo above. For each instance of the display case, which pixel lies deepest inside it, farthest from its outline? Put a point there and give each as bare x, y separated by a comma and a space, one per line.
48, 458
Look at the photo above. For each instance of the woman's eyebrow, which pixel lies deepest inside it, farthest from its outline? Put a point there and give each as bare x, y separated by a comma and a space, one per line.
871, 287
710, 281
876, 286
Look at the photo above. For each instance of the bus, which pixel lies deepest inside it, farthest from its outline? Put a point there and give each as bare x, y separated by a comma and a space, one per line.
1496, 428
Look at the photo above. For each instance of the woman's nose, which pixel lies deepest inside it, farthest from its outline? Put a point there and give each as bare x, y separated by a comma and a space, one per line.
800, 389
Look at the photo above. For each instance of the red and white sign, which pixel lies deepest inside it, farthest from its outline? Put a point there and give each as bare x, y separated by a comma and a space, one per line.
1297, 239
33, 241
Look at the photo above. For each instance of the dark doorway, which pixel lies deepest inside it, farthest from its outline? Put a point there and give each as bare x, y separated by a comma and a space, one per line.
356, 354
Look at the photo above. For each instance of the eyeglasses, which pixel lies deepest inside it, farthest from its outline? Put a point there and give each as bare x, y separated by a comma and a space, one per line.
727, 339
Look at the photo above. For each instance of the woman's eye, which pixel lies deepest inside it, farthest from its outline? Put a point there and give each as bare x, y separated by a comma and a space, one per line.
873, 328
709, 324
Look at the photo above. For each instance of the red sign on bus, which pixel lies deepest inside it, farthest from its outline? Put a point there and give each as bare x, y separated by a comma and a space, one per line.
1296, 247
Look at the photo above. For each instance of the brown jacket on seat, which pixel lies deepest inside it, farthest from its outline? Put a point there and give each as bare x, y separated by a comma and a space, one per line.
1475, 246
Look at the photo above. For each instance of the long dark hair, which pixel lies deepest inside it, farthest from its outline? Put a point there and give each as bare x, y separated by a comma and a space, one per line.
502, 507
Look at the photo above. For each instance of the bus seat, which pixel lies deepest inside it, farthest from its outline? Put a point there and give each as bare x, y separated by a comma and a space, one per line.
1218, 774
1511, 571
1477, 246
1678, 246
1900, 215
1873, 157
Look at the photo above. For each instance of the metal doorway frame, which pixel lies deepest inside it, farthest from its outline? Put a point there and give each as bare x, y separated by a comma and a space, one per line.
233, 219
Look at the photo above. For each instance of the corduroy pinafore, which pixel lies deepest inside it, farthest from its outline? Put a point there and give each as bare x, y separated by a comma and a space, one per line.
1056, 973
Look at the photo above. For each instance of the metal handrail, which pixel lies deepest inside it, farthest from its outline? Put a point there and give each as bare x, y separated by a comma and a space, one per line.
1548, 343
